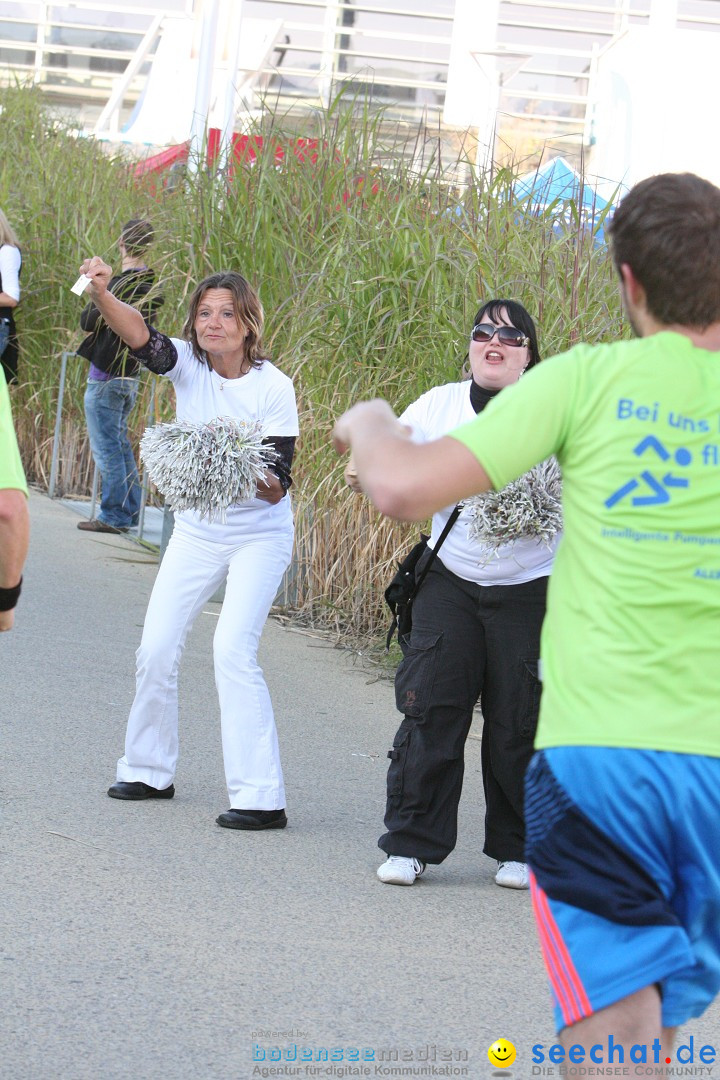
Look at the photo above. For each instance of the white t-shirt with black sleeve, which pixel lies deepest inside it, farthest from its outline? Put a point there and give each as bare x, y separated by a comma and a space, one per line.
433, 415
264, 394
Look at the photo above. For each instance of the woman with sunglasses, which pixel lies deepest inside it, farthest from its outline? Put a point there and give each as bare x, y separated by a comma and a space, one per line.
475, 634
218, 369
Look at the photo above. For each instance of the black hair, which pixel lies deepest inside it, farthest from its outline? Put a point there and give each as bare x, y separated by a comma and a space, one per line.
510, 311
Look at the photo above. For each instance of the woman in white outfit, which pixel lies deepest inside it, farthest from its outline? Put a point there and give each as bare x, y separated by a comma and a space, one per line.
217, 369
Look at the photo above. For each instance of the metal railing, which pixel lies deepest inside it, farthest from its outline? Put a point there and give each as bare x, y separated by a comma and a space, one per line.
55, 463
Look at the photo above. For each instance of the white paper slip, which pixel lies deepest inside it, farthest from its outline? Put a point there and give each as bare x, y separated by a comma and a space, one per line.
81, 285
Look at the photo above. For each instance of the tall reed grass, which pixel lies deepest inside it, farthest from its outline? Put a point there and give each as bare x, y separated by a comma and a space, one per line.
367, 293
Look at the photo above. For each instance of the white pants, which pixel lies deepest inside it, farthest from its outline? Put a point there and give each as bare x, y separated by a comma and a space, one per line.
189, 574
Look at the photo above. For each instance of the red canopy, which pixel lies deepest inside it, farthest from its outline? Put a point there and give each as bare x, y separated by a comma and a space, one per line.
245, 149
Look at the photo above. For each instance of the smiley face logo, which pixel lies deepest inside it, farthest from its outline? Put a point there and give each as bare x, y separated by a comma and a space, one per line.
501, 1053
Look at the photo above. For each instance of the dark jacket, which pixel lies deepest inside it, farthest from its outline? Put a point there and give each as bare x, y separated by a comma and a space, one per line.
103, 347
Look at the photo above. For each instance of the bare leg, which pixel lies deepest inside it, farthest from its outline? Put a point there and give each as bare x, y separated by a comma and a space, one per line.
632, 1020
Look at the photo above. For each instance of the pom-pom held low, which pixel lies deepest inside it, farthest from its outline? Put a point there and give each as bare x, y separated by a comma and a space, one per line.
206, 467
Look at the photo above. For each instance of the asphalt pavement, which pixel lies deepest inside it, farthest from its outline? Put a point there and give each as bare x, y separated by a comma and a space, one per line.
141, 940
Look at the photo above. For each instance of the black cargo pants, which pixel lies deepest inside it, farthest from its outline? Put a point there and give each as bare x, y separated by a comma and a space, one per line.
468, 641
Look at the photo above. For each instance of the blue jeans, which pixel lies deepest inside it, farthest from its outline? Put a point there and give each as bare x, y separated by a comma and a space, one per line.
4, 335
107, 407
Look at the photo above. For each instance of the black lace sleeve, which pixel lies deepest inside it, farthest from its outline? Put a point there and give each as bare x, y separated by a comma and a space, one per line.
284, 447
159, 355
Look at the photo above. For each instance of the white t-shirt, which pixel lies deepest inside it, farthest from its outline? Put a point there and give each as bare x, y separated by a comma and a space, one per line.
10, 270
264, 394
433, 415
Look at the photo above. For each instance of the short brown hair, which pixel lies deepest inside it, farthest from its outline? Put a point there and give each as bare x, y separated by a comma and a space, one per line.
248, 312
136, 235
667, 229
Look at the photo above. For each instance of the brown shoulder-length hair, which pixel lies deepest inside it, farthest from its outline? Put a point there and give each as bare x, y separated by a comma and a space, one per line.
248, 312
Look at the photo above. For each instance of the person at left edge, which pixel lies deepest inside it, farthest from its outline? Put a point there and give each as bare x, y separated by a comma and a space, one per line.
112, 386
218, 369
14, 519
10, 264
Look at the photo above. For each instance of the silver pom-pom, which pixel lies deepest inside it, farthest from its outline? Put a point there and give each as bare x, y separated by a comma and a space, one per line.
527, 508
205, 467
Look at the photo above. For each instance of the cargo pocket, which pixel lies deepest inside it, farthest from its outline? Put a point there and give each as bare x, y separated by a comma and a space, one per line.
529, 697
416, 673
398, 757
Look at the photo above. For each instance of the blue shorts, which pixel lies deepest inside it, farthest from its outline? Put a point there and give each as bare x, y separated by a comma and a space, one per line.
624, 852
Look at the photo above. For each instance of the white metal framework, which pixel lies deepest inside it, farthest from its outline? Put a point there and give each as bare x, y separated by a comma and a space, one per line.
528, 64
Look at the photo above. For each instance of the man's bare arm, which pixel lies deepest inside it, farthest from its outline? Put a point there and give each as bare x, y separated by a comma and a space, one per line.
14, 539
406, 480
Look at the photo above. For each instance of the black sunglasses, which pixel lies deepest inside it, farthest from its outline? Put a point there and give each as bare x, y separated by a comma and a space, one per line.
506, 335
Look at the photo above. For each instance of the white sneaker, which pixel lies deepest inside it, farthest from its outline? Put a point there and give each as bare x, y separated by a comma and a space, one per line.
512, 875
400, 870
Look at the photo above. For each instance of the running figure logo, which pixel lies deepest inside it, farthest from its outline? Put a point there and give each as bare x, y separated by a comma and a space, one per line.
659, 488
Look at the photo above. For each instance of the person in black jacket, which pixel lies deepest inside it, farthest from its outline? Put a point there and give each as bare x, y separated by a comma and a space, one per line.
113, 383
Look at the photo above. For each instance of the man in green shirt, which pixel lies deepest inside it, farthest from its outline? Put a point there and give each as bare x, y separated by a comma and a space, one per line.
622, 798
14, 520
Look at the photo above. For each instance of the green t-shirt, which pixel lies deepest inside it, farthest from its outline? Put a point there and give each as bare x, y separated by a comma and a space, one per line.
631, 641
11, 470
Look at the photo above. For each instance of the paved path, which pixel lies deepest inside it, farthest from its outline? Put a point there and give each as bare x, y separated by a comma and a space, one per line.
141, 940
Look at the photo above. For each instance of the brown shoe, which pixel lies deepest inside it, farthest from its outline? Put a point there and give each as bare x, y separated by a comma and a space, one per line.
96, 525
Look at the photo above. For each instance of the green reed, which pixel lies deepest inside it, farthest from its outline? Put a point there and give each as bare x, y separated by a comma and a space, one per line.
365, 293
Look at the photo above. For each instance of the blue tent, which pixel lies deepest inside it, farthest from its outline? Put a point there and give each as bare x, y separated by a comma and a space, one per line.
557, 184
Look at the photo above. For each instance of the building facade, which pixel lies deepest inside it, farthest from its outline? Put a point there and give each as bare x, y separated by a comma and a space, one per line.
521, 75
